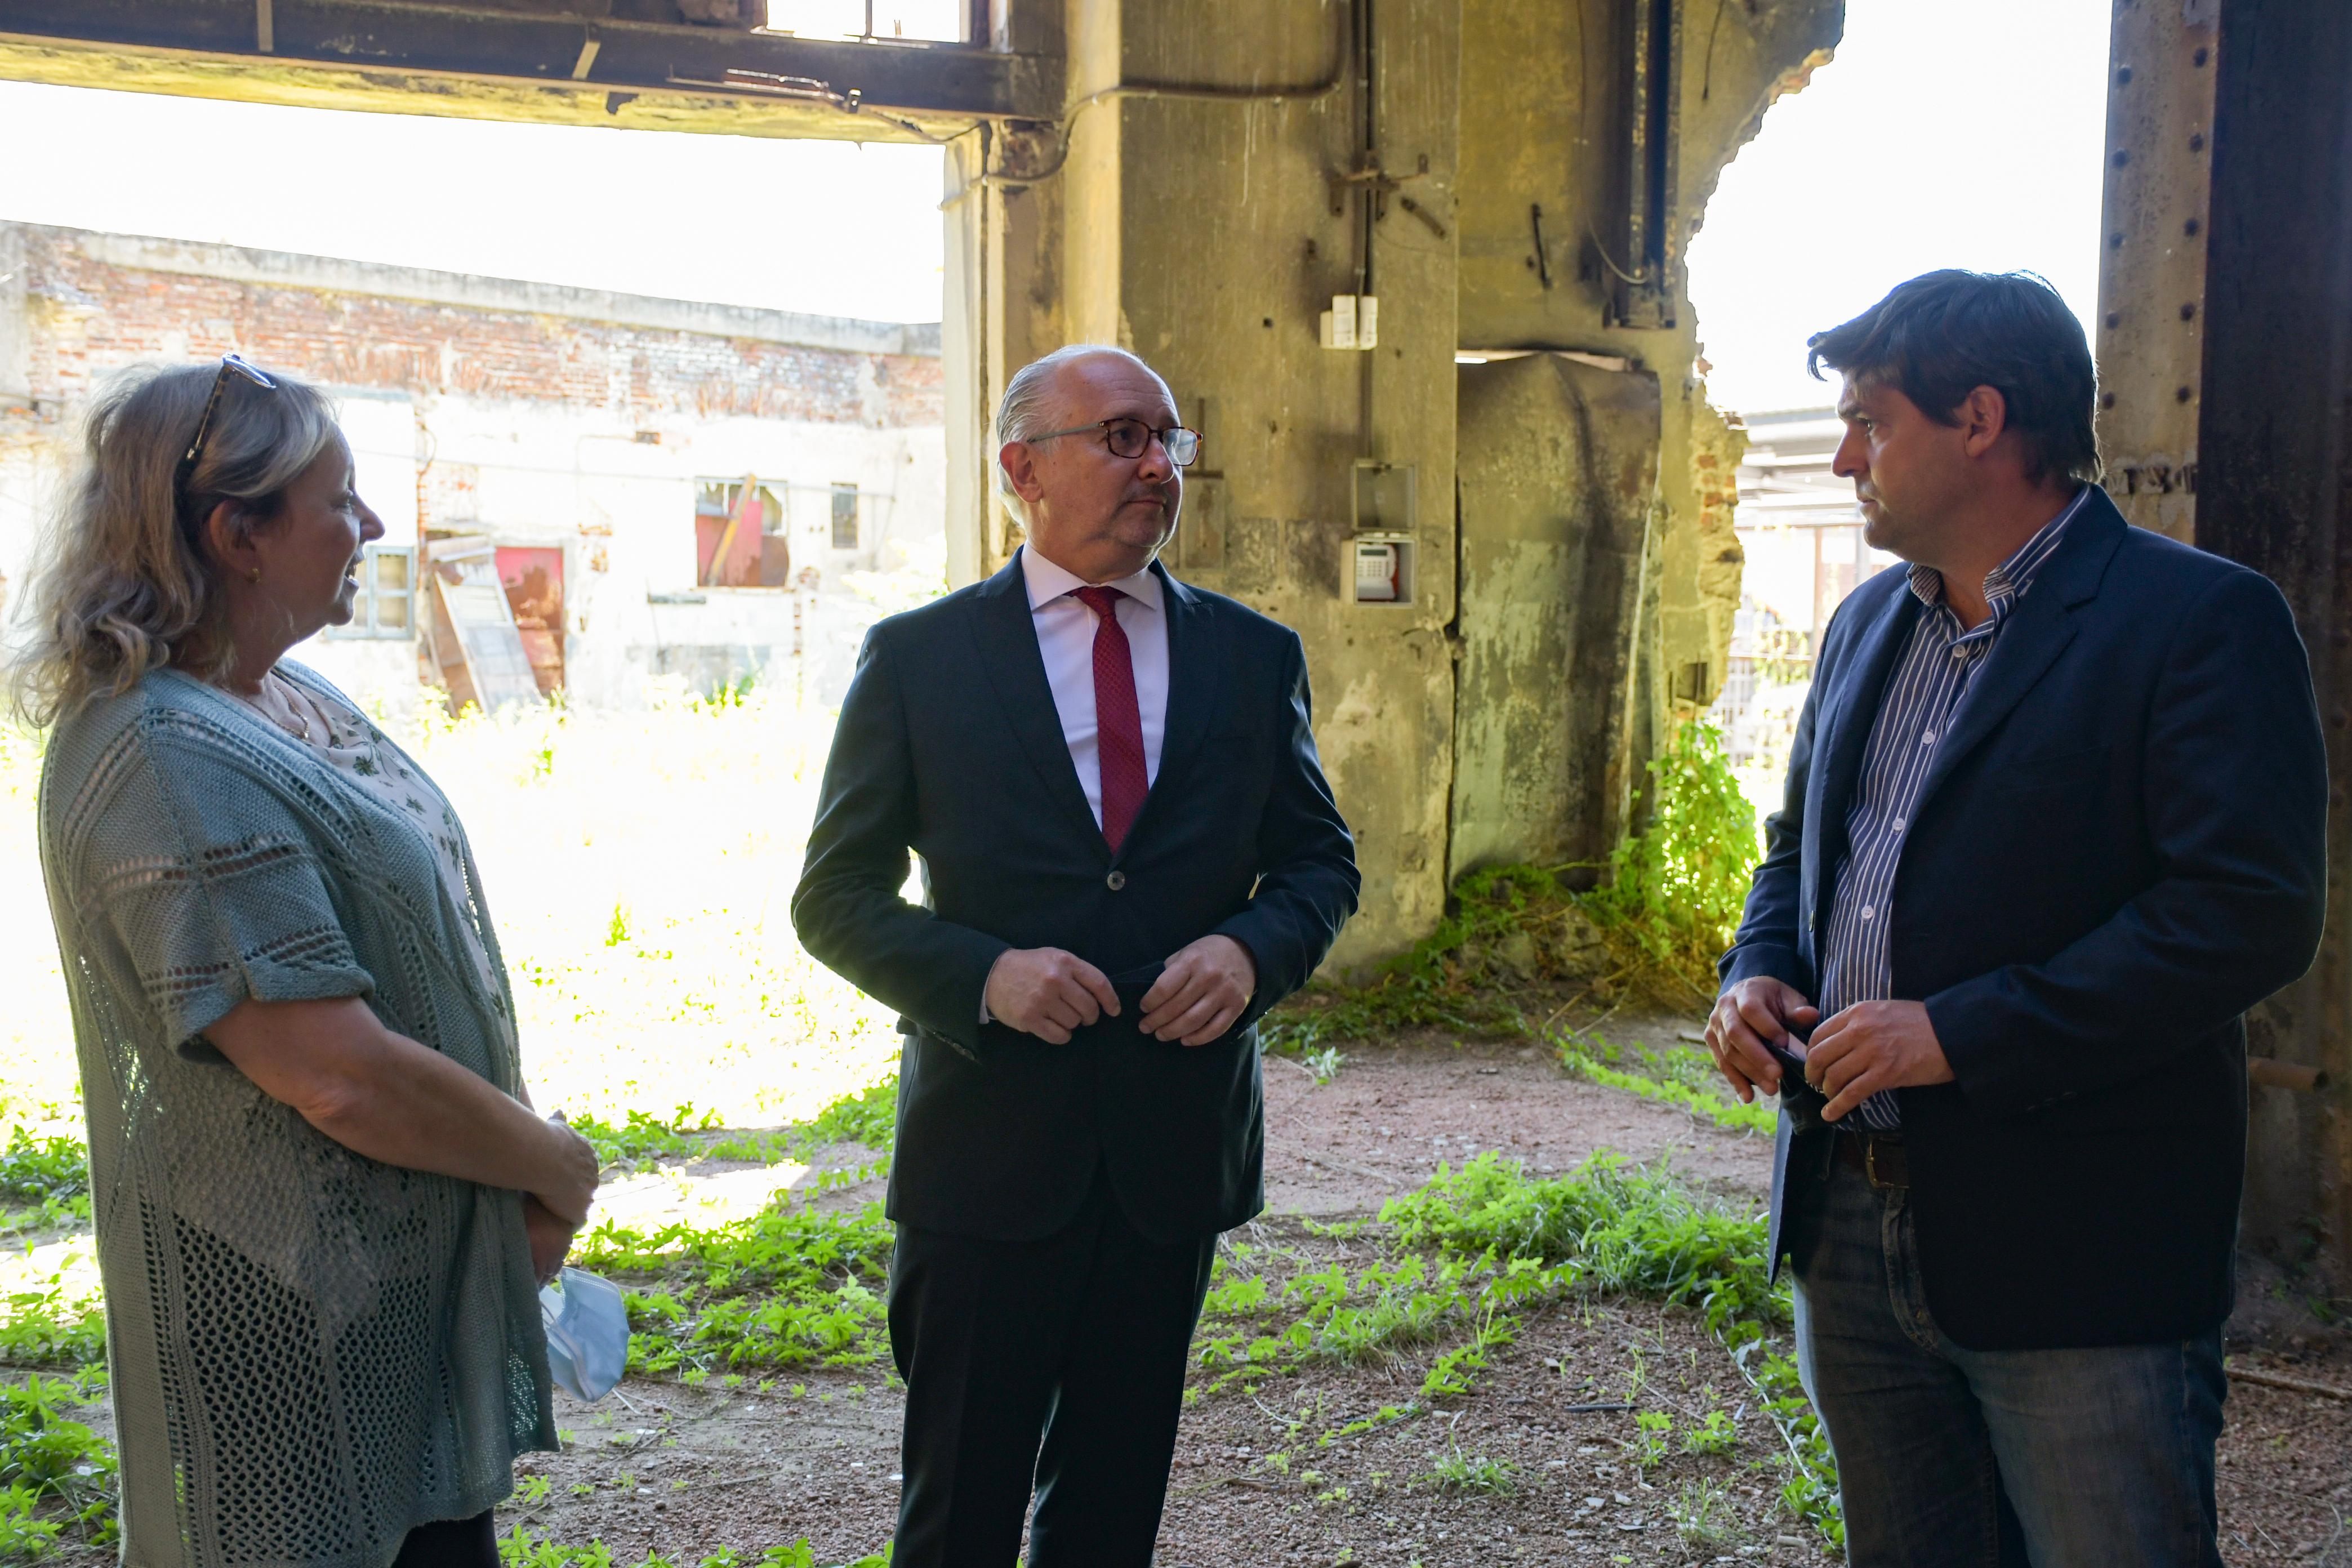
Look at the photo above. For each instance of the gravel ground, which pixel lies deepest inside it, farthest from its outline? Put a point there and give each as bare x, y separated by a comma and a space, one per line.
685, 1471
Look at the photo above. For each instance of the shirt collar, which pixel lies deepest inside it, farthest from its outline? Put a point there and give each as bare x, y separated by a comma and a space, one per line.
1047, 582
2008, 581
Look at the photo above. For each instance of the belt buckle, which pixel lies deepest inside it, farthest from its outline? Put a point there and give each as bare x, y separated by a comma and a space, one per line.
1870, 1159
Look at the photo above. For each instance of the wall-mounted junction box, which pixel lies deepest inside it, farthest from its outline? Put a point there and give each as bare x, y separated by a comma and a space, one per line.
1378, 565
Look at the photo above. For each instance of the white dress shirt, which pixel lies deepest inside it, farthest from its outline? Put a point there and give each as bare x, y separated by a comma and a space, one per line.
1065, 639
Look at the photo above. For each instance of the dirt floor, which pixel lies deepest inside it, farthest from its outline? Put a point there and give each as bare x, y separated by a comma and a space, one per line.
683, 1471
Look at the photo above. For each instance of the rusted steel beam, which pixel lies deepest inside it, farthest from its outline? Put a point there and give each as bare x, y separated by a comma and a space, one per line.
941, 86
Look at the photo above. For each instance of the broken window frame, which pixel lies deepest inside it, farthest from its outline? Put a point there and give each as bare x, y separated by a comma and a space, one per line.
854, 515
718, 496
367, 608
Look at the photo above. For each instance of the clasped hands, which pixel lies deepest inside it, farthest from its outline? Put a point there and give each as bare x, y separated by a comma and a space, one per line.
1045, 991
1867, 1047
551, 1218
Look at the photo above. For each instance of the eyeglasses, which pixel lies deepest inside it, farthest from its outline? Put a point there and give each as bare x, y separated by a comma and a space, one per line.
229, 363
1133, 438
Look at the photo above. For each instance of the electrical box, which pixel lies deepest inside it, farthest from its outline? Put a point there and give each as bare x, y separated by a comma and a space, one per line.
1379, 568
1353, 321
1382, 499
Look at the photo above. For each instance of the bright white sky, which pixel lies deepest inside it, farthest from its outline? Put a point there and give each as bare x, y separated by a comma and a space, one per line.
1942, 135
832, 228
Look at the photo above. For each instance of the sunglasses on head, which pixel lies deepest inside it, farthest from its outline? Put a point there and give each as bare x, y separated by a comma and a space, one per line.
236, 364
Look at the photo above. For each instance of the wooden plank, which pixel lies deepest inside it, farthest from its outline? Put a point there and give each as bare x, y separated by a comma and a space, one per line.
494, 657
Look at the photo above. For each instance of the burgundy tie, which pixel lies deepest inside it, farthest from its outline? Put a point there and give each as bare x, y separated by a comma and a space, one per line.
1118, 721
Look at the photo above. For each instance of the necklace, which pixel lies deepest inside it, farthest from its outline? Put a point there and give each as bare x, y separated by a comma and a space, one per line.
284, 710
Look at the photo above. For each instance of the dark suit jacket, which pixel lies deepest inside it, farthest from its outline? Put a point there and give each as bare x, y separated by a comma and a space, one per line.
2119, 848
950, 745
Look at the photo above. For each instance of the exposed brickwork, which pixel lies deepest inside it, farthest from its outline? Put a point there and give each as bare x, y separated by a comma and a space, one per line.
90, 317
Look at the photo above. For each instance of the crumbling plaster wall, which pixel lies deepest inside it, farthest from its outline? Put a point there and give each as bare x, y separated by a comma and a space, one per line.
1546, 104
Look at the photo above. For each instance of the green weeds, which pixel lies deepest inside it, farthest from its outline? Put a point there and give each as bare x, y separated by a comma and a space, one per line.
1325, 1064
1467, 1253
519, 1549
1652, 929
1675, 889
1703, 1514
641, 1141
1671, 1084
56, 1474
788, 1286
49, 1326
1466, 1475
49, 1176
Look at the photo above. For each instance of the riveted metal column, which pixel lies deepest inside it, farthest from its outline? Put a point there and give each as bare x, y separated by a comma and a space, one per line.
2151, 327
2274, 482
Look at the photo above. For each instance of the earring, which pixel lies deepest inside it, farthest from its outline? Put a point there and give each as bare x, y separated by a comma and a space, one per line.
253, 574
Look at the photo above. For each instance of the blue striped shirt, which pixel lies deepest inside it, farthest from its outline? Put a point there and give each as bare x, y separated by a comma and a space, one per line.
1923, 694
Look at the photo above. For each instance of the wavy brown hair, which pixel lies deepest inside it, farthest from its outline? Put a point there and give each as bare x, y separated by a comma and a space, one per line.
123, 583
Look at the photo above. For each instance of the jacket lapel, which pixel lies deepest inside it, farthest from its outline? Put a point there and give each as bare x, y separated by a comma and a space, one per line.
1195, 691
2038, 631
1005, 635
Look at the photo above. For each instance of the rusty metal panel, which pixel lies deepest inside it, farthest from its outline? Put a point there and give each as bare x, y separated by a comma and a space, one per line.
2274, 479
610, 58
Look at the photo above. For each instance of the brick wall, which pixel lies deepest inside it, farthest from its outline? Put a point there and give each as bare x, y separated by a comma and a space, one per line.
87, 317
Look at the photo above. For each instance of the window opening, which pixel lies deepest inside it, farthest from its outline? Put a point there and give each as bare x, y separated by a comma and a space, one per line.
844, 517
741, 545
387, 578
938, 21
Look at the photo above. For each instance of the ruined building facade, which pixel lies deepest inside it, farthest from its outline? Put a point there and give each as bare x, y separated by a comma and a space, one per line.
589, 448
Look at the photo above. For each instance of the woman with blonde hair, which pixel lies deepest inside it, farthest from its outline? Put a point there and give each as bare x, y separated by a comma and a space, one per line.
322, 1200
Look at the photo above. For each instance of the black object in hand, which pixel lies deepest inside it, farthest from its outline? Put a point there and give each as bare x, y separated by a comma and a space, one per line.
1800, 1099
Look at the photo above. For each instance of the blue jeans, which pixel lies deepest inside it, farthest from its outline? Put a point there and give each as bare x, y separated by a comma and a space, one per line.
2105, 1454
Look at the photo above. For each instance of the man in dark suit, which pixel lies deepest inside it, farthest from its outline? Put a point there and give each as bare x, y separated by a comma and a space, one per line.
2053, 821
1130, 853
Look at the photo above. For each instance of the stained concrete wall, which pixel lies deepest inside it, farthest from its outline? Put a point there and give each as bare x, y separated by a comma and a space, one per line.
1547, 91
1505, 717
1552, 575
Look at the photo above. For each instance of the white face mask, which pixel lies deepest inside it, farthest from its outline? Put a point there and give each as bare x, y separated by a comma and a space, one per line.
587, 1333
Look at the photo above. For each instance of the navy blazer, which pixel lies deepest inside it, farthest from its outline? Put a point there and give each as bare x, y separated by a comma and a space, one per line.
2118, 849
949, 747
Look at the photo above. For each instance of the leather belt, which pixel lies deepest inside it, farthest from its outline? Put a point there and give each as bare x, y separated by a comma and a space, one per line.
1879, 1156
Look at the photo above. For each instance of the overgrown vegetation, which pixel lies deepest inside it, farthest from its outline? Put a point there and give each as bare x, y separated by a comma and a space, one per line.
791, 1286
44, 1182
57, 1476
1462, 1259
519, 1549
1650, 932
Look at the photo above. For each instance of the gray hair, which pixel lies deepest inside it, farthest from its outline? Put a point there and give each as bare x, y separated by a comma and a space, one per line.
123, 585
1028, 405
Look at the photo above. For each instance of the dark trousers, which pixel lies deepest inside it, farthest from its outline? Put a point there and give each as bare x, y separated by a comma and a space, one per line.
451, 1543
1057, 1363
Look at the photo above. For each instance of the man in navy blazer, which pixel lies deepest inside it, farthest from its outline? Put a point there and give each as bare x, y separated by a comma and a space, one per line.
1128, 854
2053, 822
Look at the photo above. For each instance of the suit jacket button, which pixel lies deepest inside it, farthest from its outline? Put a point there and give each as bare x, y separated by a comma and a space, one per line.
1115, 881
